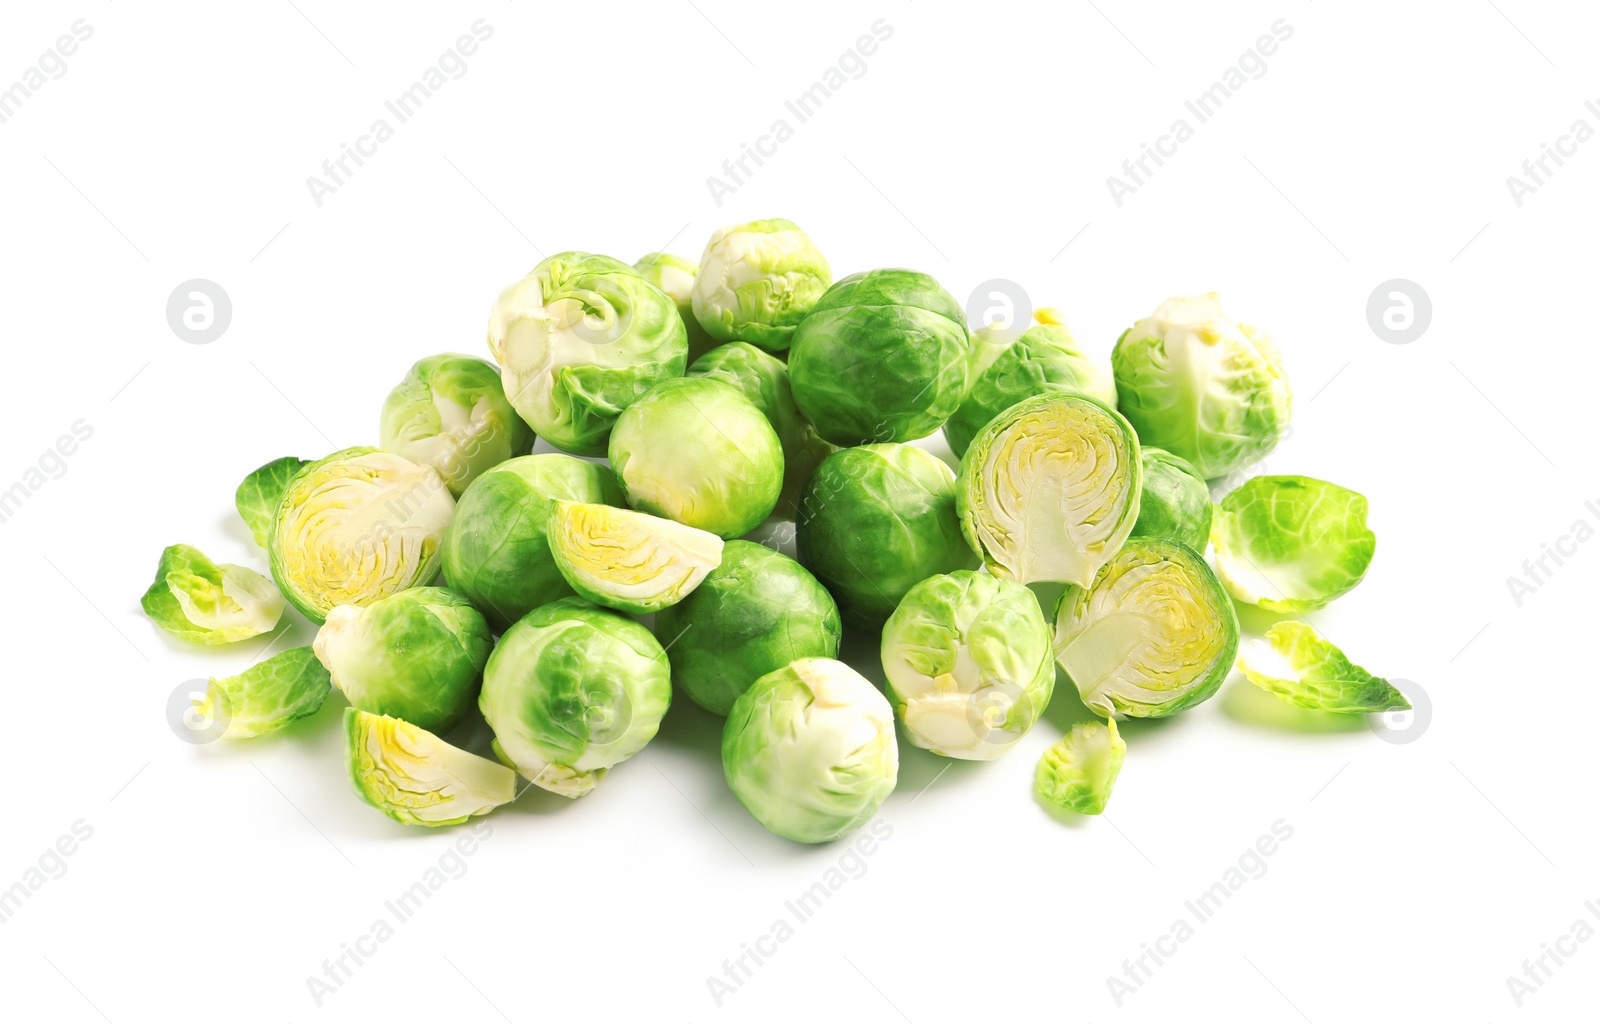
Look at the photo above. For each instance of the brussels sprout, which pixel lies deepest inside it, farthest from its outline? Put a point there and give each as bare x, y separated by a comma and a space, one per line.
578, 340
415, 777
969, 664
1154, 635
753, 614
757, 281
356, 526
875, 521
210, 604
675, 276
451, 413
416, 655
572, 690
881, 357
698, 452
1291, 543
258, 496
764, 380
495, 553
810, 750
627, 560
1298, 665
1174, 502
1077, 773
1203, 387
266, 696
1004, 372
1049, 490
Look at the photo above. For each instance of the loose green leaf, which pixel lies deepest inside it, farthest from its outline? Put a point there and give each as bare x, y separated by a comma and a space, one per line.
266, 696
210, 604
258, 496
1291, 543
1298, 665
1078, 773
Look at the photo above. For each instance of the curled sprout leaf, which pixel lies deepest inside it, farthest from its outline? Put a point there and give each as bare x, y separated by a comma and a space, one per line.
1298, 665
628, 560
415, 777
1078, 773
266, 696
258, 496
199, 601
451, 413
1291, 543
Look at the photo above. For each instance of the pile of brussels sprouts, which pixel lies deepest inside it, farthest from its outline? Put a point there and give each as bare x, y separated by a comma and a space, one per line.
691, 404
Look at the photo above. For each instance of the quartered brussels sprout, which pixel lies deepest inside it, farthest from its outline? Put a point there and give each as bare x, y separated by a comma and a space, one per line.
266, 696
810, 750
630, 561
764, 380
757, 281
451, 413
1296, 664
1155, 634
698, 452
578, 340
1174, 502
207, 603
1005, 371
572, 690
258, 496
675, 276
415, 777
969, 665
356, 526
1205, 388
1291, 543
875, 521
416, 655
754, 613
1049, 490
1077, 773
881, 357
495, 552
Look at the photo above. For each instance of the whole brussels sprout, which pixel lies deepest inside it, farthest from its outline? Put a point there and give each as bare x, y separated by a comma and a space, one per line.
495, 551
810, 750
627, 560
874, 522
882, 356
1205, 388
415, 777
675, 276
698, 452
764, 380
200, 601
969, 664
753, 614
417, 655
356, 526
572, 690
578, 340
757, 281
451, 413
1292, 543
1174, 502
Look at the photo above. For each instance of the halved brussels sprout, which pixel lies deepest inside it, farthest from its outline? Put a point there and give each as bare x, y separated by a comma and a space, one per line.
1154, 635
1205, 388
451, 413
495, 552
875, 521
572, 690
1291, 543
757, 281
356, 526
675, 276
416, 655
630, 561
578, 340
810, 750
258, 496
881, 357
1174, 502
1006, 370
266, 696
753, 614
415, 777
1049, 490
210, 604
969, 664
1077, 773
1298, 665
696, 451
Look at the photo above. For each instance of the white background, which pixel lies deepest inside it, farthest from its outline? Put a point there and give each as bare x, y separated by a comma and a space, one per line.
977, 145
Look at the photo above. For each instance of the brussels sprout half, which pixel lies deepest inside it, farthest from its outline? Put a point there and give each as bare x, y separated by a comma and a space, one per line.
265, 697
415, 777
627, 560
1296, 664
205, 603
1078, 772
757, 281
675, 276
1291, 543
1174, 502
451, 413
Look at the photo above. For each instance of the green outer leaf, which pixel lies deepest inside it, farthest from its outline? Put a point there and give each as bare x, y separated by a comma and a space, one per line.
1045, 358
1174, 502
258, 495
1327, 679
1304, 541
1079, 772
232, 592
268, 695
